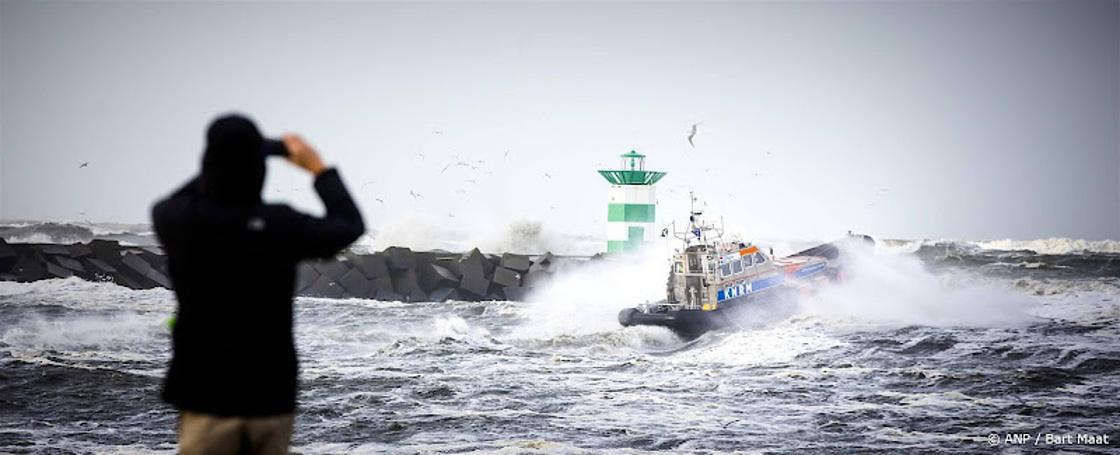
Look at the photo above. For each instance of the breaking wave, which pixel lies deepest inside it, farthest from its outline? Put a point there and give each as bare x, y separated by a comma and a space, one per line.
423, 232
1049, 246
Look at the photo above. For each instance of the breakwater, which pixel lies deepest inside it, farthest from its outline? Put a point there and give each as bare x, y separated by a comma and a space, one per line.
396, 273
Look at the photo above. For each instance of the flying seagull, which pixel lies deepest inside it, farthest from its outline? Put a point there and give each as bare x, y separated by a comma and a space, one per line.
546, 175
85, 164
692, 134
445, 169
379, 201
414, 194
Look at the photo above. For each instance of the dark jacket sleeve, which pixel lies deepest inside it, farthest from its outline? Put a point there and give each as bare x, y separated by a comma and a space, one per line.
323, 237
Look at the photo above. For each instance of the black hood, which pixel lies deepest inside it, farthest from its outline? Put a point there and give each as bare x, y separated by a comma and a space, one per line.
233, 163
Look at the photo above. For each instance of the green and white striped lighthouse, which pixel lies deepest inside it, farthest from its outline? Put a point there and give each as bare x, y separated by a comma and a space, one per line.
632, 203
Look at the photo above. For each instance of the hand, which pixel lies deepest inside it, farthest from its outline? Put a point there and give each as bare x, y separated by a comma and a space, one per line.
301, 154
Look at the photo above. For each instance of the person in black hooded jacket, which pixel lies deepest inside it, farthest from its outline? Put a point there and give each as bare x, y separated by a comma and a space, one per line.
232, 262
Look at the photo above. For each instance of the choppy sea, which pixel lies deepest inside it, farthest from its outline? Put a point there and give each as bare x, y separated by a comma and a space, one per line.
928, 346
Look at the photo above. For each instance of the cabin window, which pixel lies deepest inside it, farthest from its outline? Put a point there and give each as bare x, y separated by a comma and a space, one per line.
694, 264
737, 267
680, 267
759, 258
748, 261
725, 270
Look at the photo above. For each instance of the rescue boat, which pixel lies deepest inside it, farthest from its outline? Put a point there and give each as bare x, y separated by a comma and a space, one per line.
711, 281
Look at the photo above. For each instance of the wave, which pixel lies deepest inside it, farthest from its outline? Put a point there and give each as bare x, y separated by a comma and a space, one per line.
1053, 246
1048, 246
422, 232
65, 232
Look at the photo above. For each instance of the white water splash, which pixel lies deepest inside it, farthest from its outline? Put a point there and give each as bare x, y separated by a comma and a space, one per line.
883, 287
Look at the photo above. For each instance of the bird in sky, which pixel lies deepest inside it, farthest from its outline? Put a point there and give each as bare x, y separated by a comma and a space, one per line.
471, 181
546, 175
437, 132
365, 184
692, 134
379, 201
420, 155
85, 164
506, 155
444, 169
414, 194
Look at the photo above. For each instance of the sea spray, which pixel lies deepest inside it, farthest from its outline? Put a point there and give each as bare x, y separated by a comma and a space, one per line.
881, 286
587, 299
422, 232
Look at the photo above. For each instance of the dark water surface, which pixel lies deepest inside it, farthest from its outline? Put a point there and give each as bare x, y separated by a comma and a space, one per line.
903, 359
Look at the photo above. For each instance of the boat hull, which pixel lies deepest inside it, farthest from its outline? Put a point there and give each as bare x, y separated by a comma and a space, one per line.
690, 324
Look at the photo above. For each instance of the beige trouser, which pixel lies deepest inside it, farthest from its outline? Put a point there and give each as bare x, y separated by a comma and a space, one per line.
209, 434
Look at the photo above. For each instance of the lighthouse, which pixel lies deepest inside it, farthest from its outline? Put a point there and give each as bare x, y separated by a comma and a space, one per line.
631, 203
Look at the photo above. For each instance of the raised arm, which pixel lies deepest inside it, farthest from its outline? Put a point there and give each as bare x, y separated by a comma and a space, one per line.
342, 224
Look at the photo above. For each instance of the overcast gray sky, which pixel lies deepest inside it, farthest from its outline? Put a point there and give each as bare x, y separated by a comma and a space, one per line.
969, 120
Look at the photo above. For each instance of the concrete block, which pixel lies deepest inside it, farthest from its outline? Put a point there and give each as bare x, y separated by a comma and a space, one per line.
416, 295
473, 262
372, 265
106, 250
325, 287
331, 268
54, 250
8, 256
387, 296
518, 262
134, 272
400, 258
157, 262
129, 281
537, 279
137, 264
468, 296
543, 262
517, 294
80, 250
451, 264
506, 277
159, 278
380, 285
475, 283
72, 264
424, 257
29, 267
489, 264
355, 283
433, 276
306, 275
98, 267
444, 294
495, 294
404, 282
57, 271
